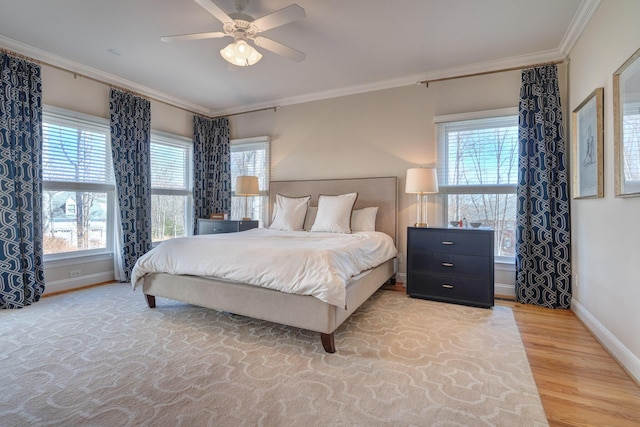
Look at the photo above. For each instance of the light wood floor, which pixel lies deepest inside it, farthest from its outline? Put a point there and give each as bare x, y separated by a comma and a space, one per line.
580, 384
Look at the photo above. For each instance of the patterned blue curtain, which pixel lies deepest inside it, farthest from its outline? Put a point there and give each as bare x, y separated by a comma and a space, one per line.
21, 263
131, 154
543, 255
211, 167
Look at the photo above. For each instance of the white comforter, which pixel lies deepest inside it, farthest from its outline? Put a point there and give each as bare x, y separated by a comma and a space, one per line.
300, 262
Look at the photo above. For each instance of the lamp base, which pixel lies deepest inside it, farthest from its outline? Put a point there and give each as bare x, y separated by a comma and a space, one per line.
420, 224
246, 219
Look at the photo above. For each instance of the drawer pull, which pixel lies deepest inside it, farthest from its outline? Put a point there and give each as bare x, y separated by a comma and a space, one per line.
447, 286
447, 264
447, 243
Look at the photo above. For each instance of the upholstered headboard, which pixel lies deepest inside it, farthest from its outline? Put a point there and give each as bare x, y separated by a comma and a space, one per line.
380, 191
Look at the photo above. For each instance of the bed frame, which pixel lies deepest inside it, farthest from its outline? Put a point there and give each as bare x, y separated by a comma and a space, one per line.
299, 311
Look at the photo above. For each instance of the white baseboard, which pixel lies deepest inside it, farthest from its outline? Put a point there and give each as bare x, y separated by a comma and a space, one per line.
77, 282
628, 360
504, 290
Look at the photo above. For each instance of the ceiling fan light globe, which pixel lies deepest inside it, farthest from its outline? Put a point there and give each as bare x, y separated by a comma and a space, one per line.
249, 57
228, 52
242, 49
254, 57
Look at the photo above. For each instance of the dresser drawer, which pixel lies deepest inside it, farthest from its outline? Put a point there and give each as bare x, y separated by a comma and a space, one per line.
464, 290
467, 242
217, 226
450, 264
214, 227
247, 225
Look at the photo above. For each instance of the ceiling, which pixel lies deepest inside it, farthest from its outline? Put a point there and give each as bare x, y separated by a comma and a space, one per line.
351, 46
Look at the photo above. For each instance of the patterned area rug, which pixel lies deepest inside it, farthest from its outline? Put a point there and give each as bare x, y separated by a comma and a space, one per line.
100, 357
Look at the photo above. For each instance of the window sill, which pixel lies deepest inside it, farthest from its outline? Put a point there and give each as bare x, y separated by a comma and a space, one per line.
60, 260
505, 265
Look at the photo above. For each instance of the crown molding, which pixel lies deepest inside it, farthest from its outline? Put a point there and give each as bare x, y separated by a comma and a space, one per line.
578, 23
489, 66
319, 96
48, 59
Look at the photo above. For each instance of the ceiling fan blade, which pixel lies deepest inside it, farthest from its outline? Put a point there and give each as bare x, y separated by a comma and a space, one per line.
215, 10
280, 49
279, 17
194, 36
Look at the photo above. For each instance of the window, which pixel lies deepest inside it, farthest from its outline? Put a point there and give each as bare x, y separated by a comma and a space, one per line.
78, 184
250, 156
478, 173
171, 181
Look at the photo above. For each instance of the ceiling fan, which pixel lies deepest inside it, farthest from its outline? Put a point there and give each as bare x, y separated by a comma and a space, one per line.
243, 28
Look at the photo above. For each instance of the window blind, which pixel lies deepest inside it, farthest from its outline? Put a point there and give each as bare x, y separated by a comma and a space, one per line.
76, 149
479, 153
252, 159
169, 165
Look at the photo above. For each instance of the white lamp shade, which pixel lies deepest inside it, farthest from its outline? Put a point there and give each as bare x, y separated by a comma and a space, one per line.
240, 53
421, 181
247, 186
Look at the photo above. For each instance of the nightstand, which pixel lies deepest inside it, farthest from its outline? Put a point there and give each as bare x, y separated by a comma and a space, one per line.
451, 265
216, 226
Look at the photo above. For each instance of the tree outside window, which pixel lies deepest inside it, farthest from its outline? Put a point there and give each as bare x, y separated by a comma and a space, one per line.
478, 168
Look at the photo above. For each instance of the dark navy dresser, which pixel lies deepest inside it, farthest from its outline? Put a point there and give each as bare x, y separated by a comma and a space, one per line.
453, 265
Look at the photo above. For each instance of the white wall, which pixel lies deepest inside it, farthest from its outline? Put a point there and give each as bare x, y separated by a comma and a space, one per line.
606, 232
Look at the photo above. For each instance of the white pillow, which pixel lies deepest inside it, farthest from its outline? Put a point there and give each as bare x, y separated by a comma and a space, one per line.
364, 219
312, 211
334, 213
289, 213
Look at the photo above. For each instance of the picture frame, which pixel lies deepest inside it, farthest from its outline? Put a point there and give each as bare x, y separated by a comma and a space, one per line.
626, 131
588, 147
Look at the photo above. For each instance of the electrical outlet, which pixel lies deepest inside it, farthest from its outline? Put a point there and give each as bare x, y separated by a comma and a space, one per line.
399, 257
75, 273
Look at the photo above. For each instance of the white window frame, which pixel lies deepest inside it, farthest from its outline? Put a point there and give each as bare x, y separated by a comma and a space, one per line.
444, 189
61, 116
165, 138
263, 198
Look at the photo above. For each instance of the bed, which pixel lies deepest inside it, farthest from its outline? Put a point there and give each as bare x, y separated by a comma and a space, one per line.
301, 311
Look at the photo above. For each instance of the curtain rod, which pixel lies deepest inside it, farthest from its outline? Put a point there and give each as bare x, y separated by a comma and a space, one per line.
76, 75
274, 108
482, 73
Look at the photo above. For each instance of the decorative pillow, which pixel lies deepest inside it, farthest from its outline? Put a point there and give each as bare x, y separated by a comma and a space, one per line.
334, 213
289, 213
312, 211
364, 219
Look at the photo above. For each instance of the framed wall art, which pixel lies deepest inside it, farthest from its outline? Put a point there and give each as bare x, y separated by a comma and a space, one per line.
626, 122
588, 146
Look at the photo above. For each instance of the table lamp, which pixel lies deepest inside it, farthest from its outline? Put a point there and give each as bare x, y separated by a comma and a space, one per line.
247, 186
421, 181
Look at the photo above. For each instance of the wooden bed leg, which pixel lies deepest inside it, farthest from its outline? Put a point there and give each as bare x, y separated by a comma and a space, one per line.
328, 342
151, 300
